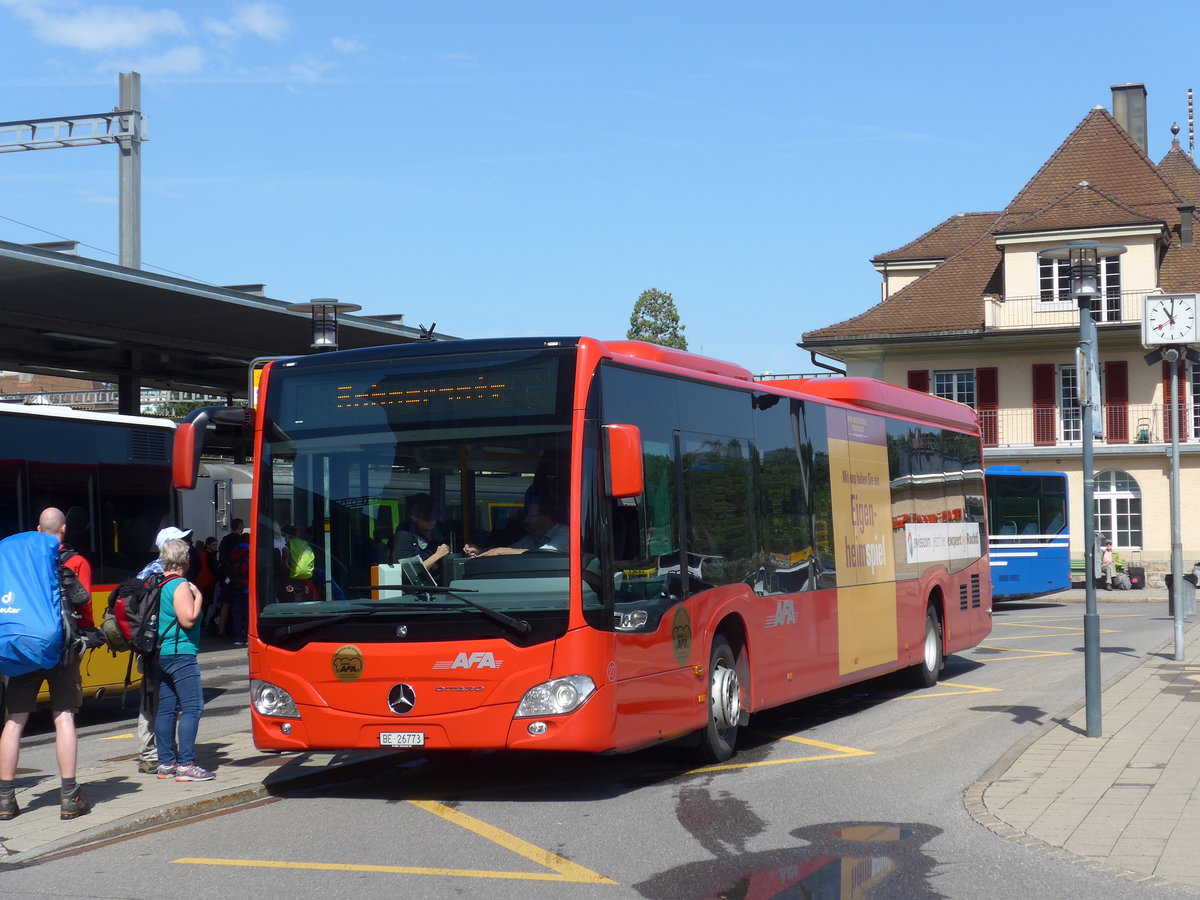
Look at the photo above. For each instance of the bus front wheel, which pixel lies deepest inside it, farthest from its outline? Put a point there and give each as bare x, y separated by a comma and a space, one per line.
925, 673
718, 737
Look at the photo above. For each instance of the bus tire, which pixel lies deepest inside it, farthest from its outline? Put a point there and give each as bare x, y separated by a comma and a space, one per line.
719, 735
925, 673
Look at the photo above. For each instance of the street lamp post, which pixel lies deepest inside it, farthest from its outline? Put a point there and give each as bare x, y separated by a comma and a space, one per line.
1083, 258
324, 312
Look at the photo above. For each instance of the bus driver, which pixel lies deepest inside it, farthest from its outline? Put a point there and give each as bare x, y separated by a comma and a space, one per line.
543, 529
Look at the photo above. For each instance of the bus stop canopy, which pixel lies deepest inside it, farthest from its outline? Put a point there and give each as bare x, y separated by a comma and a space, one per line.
67, 315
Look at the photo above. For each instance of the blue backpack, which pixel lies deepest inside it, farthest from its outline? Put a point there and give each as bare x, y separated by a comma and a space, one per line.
31, 620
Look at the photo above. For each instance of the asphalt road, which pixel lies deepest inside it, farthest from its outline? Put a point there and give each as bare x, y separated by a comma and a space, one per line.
853, 795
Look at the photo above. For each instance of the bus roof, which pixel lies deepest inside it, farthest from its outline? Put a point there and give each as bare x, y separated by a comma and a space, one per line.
879, 396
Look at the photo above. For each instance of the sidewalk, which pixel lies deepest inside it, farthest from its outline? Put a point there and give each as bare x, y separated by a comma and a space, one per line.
1123, 802
125, 802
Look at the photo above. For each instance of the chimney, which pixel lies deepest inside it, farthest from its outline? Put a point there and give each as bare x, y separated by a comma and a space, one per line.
1186, 211
1129, 109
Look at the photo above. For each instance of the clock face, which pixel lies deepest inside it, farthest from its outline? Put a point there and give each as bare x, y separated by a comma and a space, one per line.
1170, 320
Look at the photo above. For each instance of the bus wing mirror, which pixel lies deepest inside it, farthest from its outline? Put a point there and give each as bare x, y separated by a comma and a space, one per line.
624, 474
185, 455
192, 433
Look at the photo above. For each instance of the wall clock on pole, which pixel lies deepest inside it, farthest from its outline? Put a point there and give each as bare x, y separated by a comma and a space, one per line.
1169, 319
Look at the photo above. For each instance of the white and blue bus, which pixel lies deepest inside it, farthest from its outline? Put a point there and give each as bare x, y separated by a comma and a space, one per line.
1029, 536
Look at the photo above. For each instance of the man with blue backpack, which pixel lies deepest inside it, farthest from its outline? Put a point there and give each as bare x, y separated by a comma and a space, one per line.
32, 577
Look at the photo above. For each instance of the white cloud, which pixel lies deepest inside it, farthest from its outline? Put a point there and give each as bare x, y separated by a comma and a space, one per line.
264, 20
95, 28
309, 68
186, 60
345, 45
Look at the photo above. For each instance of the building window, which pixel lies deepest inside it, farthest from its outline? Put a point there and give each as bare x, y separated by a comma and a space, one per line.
958, 386
1054, 286
1118, 505
1195, 376
1068, 404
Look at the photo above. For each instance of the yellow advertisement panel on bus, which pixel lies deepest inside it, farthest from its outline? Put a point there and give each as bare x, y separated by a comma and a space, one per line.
862, 514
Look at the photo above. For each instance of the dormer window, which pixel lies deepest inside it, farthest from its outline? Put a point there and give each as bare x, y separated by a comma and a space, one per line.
1054, 283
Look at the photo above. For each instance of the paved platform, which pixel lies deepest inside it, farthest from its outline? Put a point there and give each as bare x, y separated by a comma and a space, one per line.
1125, 802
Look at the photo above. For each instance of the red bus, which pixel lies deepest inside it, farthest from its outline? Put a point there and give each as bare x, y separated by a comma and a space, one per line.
569, 544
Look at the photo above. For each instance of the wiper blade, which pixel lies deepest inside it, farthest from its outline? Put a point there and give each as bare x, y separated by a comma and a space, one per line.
313, 624
520, 626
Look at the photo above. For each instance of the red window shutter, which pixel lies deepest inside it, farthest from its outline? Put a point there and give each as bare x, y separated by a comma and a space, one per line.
1182, 400
987, 404
918, 380
1116, 401
1045, 404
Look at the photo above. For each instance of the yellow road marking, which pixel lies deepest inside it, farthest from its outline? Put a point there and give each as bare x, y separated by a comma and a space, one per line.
1025, 653
117, 737
837, 752
1077, 629
969, 689
562, 870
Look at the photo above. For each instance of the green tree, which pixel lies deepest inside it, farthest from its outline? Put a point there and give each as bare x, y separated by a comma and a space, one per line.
656, 320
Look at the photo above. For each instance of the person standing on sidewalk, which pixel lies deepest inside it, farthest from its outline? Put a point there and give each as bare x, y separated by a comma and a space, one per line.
66, 696
233, 555
147, 693
181, 606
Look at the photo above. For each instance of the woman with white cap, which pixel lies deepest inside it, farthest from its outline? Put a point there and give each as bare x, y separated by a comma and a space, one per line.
148, 705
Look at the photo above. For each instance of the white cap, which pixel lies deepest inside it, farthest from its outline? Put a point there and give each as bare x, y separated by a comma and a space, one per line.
171, 533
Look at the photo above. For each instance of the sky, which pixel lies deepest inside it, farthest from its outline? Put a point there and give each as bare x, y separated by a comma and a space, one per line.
529, 168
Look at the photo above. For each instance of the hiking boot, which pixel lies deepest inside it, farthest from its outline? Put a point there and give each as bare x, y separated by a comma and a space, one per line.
167, 771
148, 766
74, 805
193, 773
8, 806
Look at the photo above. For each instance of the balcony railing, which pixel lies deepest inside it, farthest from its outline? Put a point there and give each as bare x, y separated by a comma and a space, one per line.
1124, 424
1024, 313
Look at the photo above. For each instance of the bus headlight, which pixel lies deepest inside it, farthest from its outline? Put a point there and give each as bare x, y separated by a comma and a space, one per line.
557, 697
272, 700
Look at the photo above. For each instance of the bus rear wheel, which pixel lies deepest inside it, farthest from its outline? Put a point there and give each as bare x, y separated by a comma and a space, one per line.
718, 737
925, 673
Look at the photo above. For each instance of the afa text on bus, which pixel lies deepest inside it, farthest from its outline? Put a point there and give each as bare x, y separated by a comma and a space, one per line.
569, 544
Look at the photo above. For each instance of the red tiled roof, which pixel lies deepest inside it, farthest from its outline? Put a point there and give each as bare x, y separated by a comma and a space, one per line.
947, 299
943, 240
1179, 170
1099, 152
1081, 206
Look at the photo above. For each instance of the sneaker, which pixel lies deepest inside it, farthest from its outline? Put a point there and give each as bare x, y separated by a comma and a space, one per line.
8, 806
239, 643
147, 766
167, 771
193, 773
75, 805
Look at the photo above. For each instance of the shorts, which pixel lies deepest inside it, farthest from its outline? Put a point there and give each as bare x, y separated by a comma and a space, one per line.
66, 689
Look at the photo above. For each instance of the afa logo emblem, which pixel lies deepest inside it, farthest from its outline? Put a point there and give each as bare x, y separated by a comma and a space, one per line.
347, 663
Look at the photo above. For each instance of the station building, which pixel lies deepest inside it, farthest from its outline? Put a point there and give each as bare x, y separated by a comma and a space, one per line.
971, 312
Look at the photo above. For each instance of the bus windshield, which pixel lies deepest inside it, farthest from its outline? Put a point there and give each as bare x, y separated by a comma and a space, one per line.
418, 491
